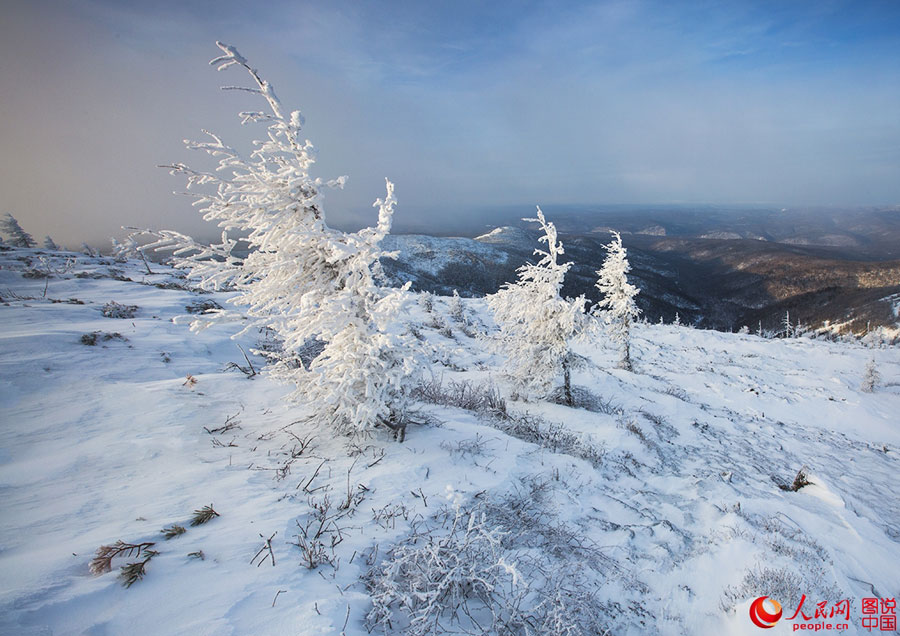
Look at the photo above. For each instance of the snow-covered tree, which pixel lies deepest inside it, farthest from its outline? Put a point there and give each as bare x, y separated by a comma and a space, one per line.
50, 244
617, 307
457, 309
787, 327
536, 325
871, 378
301, 279
14, 233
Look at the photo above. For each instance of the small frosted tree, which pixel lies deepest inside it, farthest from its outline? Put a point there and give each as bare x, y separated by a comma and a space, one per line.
871, 377
457, 309
536, 325
301, 279
787, 327
14, 233
50, 244
617, 306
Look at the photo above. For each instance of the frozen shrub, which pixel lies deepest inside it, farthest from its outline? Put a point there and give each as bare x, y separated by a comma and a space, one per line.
779, 583
92, 338
583, 398
202, 307
482, 398
456, 576
112, 309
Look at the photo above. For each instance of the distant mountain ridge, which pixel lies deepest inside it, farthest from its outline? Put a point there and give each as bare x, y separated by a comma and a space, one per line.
699, 266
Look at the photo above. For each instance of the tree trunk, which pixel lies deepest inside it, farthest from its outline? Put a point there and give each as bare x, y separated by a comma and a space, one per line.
567, 385
626, 357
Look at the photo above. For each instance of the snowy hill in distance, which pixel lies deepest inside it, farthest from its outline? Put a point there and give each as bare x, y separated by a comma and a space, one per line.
834, 271
662, 504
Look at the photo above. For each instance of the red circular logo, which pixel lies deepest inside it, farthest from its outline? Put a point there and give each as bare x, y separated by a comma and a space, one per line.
765, 614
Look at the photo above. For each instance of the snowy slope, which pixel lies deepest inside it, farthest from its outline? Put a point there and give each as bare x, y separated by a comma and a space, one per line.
429, 255
656, 510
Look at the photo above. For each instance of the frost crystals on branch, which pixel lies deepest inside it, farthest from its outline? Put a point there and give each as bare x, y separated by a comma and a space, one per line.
302, 279
617, 307
536, 324
129, 247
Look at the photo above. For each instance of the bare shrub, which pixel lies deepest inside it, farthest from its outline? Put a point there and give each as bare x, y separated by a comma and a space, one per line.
458, 576
569, 608
463, 576
632, 427
481, 398
387, 516
550, 435
437, 323
35, 274
663, 429
202, 307
91, 339
474, 446
318, 536
808, 569
486, 401
112, 309
677, 393
779, 583
583, 398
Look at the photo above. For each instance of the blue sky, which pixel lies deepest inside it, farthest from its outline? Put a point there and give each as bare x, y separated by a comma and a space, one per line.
463, 105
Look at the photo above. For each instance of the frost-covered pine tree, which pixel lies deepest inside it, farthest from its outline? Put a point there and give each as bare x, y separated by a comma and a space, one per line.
787, 327
50, 244
617, 306
871, 378
536, 324
14, 233
457, 309
301, 279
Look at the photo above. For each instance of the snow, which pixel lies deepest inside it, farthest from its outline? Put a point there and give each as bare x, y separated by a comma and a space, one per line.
429, 255
107, 442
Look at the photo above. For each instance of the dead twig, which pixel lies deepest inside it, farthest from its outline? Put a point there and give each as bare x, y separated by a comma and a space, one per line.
267, 547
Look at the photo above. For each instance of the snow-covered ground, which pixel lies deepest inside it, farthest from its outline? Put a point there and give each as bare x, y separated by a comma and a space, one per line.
658, 509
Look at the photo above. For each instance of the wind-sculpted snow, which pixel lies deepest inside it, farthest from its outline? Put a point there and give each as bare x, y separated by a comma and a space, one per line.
661, 506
